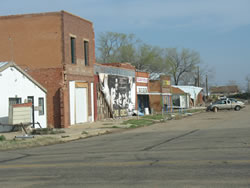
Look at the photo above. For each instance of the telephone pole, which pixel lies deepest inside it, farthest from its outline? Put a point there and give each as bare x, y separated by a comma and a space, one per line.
248, 86
198, 77
206, 88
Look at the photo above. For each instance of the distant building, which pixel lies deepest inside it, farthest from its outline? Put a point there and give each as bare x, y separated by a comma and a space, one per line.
160, 94
180, 99
196, 94
142, 92
224, 90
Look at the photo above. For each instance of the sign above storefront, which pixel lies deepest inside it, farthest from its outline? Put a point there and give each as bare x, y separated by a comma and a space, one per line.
142, 90
141, 79
165, 83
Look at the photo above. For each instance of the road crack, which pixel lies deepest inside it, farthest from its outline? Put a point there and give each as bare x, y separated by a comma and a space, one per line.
16, 158
169, 140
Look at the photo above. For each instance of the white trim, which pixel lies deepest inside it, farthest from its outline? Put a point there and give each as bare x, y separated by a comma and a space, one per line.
72, 101
92, 101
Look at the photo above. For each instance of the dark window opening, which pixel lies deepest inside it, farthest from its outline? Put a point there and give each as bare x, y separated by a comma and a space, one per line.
73, 50
15, 101
41, 106
86, 53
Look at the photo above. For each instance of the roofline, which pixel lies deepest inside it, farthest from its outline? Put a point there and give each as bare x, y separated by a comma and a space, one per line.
178, 86
65, 12
12, 64
44, 14
106, 65
30, 14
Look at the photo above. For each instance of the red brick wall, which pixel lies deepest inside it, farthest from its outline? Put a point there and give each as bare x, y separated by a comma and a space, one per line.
51, 79
35, 40
155, 85
82, 30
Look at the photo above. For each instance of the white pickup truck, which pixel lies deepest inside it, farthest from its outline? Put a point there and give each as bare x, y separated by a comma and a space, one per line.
226, 104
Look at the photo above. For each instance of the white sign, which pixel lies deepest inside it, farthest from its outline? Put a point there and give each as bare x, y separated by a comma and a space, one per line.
142, 80
142, 89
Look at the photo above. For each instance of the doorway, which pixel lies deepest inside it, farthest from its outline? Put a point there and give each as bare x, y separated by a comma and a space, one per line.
81, 105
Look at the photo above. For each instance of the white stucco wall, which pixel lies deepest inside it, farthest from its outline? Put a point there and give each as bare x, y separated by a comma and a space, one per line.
15, 84
72, 101
184, 101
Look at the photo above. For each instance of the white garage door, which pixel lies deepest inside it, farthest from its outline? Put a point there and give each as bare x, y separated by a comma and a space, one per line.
81, 105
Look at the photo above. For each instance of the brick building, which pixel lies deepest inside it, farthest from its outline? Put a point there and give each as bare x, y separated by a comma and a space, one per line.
58, 50
160, 94
142, 92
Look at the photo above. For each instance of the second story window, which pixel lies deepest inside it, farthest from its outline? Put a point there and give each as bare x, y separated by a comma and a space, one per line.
86, 53
73, 50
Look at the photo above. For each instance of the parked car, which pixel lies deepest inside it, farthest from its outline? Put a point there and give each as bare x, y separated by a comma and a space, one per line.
226, 104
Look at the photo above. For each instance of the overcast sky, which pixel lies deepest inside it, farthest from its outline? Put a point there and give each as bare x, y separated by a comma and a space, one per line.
218, 29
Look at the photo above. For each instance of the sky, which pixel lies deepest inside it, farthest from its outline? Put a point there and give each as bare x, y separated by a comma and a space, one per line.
218, 29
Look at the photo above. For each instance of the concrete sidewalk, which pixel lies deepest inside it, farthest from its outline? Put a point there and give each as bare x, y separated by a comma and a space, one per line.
78, 131
74, 132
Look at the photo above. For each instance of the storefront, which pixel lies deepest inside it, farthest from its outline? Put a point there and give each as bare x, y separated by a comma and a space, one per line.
142, 91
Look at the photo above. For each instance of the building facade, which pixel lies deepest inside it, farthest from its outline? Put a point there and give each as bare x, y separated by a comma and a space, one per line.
17, 87
58, 50
160, 94
142, 93
115, 90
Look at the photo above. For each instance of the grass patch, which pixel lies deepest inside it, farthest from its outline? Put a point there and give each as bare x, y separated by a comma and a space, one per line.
26, 143
2, 138
153, 117
194, 110
115, 126
138, 122
45, 131
85, 132
107, 124
132, 126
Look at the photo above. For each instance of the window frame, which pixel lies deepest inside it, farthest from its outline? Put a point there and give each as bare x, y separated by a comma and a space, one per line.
73, 49
86, 52
41, 106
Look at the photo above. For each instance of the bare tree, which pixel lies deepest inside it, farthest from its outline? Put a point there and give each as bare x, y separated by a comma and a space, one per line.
181, 63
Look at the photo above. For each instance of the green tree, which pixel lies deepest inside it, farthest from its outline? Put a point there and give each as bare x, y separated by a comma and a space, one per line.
115, 47
149, 58
119, 47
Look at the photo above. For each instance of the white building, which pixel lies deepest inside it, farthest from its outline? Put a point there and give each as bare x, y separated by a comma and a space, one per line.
193, 91
18, 87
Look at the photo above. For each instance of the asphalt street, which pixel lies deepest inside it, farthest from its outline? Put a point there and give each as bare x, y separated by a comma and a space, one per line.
204, 150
